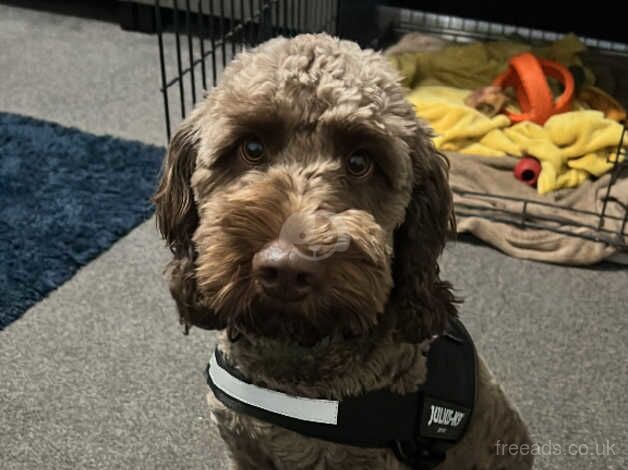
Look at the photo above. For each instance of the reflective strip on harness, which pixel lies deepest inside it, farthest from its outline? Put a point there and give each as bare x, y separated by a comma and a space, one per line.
306, 409
374, 419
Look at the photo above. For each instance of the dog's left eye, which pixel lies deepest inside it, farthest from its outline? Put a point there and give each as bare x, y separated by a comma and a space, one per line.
252, 151
359, 164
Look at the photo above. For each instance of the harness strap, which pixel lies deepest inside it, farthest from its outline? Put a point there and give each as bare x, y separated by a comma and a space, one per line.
419, 427
374, 419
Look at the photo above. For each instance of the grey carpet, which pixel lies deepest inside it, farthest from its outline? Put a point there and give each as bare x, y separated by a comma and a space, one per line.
98, 375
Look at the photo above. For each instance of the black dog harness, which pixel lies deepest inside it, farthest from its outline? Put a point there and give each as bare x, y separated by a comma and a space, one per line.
419, 427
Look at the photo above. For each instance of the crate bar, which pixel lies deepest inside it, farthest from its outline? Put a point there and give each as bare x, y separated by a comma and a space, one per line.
586, 236
201, 41
164, 88
516, 216
299, 18
462, 29
233, 28
292, 18
276, 22
538, 203
538, 217
179, 66
617, 166
330, 19
285, 19
524, 214
623, 224
223, 48
261, 29
212, 36
249, 36
243, 24
190, 50
320, 26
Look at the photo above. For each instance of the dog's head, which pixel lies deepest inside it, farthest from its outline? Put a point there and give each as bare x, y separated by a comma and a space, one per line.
303, 198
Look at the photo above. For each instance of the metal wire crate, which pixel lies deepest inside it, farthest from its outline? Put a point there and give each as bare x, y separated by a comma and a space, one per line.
204, 35
198, 38
596, 226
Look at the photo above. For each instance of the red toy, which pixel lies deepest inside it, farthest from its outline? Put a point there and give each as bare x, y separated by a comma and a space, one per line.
527, 170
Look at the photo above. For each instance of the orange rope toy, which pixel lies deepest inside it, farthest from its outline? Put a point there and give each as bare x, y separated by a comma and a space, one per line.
527, 75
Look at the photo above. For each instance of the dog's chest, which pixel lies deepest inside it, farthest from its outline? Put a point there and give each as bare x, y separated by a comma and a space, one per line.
340, 373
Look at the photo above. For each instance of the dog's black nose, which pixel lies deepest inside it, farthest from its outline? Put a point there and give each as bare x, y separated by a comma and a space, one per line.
285, 273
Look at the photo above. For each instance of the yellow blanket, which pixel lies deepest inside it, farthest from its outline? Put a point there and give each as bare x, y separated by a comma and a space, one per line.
571, 146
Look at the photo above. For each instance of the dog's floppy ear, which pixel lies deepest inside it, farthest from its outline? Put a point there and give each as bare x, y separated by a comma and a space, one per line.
177, 217
421, 301
177, 220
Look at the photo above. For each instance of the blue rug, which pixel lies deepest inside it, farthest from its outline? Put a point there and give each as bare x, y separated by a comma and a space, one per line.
65, 196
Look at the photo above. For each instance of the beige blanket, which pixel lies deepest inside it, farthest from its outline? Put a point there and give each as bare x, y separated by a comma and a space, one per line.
499, 222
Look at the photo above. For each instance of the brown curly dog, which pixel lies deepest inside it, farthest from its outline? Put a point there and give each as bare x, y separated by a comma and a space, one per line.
306, 209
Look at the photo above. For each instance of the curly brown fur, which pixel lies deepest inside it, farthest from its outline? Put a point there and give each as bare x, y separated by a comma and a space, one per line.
312, 101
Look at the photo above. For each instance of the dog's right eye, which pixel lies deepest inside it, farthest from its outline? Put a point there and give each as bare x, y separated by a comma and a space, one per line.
359, 164
252, 151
